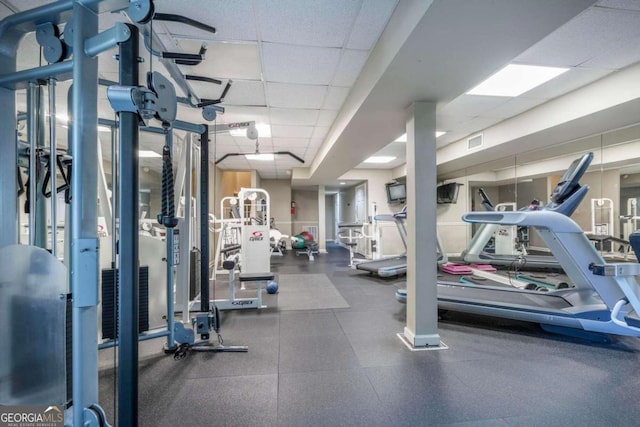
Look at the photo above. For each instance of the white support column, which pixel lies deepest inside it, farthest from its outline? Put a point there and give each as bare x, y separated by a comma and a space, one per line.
422, 302
321, 238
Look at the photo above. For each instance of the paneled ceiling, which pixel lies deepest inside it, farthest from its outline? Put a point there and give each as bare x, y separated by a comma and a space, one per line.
294, 63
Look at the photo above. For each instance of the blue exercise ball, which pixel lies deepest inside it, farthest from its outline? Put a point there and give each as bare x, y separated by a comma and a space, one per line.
272, 287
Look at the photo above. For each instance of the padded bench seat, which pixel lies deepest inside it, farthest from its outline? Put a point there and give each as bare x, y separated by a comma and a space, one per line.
256, 277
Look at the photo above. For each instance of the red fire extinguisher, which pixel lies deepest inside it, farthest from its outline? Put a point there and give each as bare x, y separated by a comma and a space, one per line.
293, 207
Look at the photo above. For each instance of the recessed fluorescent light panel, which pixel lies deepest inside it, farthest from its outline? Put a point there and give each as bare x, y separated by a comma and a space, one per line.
264, 131
403, 137
516, 79
380, 159
148, 154
259, 156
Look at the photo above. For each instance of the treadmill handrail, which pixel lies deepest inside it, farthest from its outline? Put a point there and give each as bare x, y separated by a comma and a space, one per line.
554, 221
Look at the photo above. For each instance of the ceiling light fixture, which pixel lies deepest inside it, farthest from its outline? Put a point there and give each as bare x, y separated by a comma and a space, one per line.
380, 159
264, 131
403, 137
260, 156
516, 79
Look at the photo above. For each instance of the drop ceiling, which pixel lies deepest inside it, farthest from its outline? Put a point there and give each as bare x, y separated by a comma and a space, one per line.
308, 69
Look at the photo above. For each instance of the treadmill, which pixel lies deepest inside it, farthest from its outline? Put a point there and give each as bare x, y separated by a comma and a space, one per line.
389, 266
475, 253
397, 265
606, 298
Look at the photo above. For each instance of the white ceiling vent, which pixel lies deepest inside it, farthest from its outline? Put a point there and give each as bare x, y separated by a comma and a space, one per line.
474, 142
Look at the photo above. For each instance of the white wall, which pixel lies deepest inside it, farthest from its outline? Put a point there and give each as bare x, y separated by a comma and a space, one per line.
280, 195
306, 210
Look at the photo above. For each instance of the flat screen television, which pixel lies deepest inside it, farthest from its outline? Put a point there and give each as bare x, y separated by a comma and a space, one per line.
447, 193
396, 192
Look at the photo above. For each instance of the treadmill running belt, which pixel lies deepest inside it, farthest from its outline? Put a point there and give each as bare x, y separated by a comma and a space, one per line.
489, 297
398, 264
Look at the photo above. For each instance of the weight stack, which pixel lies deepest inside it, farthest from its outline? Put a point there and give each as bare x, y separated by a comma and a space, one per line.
110, 302
194, 273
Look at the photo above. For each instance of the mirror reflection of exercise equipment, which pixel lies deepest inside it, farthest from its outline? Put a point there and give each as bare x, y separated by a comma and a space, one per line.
349, 234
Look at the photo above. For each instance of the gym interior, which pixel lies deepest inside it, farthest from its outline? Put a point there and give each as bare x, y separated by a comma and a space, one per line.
296, 213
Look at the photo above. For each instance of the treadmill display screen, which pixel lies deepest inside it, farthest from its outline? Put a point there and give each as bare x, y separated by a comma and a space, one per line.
570, 181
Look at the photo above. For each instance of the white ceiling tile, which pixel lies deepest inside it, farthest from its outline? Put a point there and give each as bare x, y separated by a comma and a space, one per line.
294, 116
322, 23
472, 105
295, 96
618, 57
245, 93
280, 131
221, 138
28, 4
316, 142
107, 20
350, 66
511, 108
234, 114
583, 38
28, 53
335, 97
326, 117
208, 90
224, 60
246, 145
320, 131
566, 82
310, 155
221, 149
299, 64
371, 21
232, 19
188, 114
475, 125
286, 162
291, 142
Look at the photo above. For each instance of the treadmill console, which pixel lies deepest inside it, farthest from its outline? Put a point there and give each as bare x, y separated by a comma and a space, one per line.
486, 201
568, 193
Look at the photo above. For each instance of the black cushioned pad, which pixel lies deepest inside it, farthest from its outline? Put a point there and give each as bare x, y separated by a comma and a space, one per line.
255, 277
